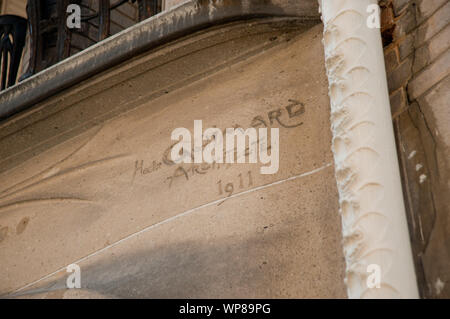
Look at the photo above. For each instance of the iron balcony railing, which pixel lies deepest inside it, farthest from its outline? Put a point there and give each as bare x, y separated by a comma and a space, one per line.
50, 40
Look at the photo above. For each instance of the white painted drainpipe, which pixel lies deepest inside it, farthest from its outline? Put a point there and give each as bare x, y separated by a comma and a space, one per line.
374, 225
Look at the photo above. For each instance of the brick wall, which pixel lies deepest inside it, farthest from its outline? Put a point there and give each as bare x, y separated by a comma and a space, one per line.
416, 39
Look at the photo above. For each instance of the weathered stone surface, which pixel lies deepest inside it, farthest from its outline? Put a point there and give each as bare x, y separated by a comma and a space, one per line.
152, 229
421, 120
416, 187
398, 101
400, 76
399, 5
431, 50
391, 60
405, 23
430, 76
434, 105
433, 25
386, 17
427, 7
425, 174
55, 120
406, 47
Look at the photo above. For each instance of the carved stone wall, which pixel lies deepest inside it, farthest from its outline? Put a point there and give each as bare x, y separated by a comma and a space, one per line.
89, 180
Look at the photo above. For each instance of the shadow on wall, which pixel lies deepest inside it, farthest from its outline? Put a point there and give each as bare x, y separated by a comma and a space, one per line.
227, 269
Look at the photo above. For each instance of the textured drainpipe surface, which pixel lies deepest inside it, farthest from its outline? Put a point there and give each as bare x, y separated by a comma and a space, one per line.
374, 225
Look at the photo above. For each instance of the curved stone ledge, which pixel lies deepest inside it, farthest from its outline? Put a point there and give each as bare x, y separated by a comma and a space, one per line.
162, 28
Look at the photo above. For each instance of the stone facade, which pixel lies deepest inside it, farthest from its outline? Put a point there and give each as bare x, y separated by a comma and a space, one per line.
416, 36
142, 229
